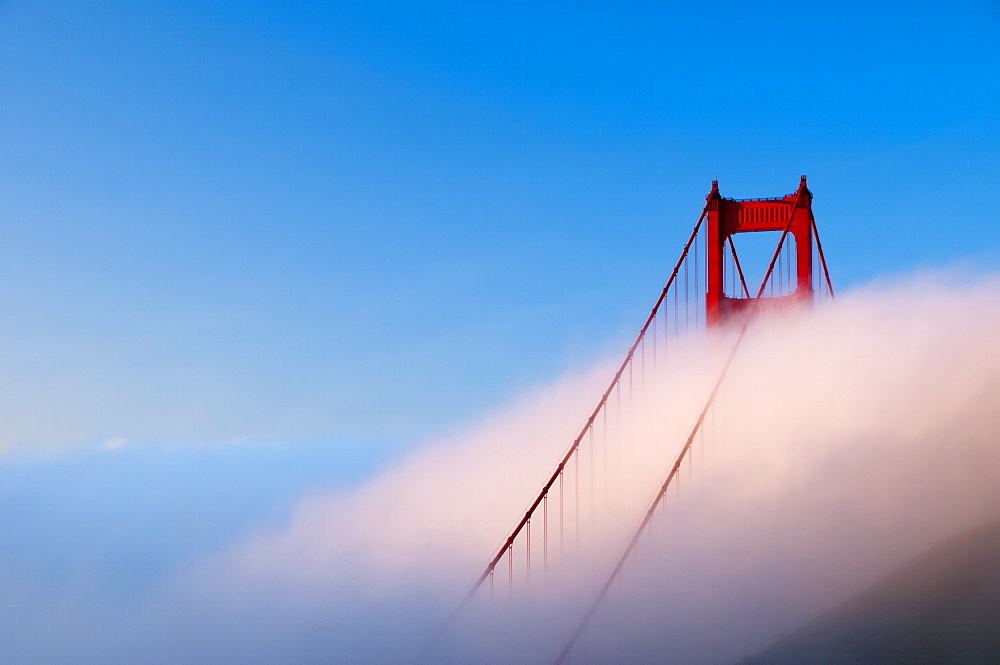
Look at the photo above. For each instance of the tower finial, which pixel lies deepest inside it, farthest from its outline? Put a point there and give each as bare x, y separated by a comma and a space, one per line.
715, 190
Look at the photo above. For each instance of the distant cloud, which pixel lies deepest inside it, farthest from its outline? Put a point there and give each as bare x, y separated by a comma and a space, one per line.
117, 443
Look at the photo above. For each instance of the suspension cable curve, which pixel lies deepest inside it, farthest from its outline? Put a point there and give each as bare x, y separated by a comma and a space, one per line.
574, 447
616, 571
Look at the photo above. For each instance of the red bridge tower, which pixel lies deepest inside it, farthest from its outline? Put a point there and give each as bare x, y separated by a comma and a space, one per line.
727, 217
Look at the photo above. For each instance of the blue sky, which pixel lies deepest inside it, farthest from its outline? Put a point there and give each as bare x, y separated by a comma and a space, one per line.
230, 228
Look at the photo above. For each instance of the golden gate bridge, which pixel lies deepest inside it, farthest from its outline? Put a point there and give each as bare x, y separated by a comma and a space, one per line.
542, 596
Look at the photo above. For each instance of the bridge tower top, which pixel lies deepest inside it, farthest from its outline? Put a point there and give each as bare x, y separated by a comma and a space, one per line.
728, 217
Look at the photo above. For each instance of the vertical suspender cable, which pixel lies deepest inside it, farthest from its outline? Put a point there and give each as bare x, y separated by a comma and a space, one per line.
573, 447
683, 452
697, 291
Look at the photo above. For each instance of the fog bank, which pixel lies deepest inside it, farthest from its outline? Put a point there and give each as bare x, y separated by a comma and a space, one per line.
844, 441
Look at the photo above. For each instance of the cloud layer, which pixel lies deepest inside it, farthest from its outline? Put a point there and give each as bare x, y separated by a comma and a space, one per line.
844, 441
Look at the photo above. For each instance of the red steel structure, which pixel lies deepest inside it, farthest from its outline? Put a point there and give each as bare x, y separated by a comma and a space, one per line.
556, 507
725, 218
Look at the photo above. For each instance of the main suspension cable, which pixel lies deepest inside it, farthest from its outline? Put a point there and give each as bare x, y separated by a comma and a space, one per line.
573, 449
616, 571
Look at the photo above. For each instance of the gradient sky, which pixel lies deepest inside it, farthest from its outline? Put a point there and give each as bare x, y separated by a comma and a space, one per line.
264, 247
